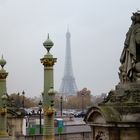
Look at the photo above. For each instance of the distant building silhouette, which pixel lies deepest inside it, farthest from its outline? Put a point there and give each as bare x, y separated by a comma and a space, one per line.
68, 85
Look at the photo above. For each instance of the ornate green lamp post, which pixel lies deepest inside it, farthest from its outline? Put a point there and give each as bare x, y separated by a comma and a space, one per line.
3, 98
48, 61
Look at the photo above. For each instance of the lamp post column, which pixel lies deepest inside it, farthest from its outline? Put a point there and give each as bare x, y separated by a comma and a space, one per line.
82, 95
40, 122
3, 97
23, 100
48, 61
61, 105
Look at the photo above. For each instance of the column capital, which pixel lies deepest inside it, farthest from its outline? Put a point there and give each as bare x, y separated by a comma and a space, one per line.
3, 75
48, 62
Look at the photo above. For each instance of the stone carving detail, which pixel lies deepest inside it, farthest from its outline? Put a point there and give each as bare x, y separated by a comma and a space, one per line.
119, 98
110, 94
101, 136
132, 96
127, 109
136, 97
130, 57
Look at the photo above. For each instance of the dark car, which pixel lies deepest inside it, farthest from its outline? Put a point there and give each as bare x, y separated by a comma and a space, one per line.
80, 114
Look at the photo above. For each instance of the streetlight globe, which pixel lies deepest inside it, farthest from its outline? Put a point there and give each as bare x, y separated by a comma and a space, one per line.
48, 44
52, 92
23, 92
40, 104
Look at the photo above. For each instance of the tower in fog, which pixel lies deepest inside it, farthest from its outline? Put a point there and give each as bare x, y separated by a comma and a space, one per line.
68, 85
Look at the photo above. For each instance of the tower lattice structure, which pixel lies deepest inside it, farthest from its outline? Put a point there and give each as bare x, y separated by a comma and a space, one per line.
68, 85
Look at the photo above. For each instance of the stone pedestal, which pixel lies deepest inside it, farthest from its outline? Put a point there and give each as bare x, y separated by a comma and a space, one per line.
118, 116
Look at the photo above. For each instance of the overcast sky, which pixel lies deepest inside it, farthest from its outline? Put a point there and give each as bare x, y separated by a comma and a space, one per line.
97, 28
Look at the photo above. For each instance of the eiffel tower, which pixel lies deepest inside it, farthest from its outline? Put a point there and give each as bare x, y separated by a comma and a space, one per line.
68, 85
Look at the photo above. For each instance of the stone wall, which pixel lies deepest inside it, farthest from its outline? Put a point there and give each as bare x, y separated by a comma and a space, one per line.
130, 134
72, 136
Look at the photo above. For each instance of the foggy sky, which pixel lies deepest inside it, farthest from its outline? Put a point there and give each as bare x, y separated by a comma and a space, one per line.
97, 27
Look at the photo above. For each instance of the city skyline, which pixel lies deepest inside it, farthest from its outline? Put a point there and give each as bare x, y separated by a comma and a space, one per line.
98, 31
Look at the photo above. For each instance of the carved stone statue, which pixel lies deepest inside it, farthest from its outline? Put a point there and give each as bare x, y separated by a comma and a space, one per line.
119, 113
130, 57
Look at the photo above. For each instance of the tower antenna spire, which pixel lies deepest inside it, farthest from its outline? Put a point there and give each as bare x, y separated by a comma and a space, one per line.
67, 28
48, 36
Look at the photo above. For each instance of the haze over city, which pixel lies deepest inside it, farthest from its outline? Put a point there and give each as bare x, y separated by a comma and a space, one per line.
97, 28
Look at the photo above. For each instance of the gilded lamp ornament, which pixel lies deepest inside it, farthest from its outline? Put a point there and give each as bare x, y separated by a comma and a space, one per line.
49, 111
3, 109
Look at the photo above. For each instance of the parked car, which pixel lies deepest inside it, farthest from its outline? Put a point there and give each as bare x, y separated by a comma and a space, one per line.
80, 114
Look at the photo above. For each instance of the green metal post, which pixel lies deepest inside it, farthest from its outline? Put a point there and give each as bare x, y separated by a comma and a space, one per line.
3, 91
48, 61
